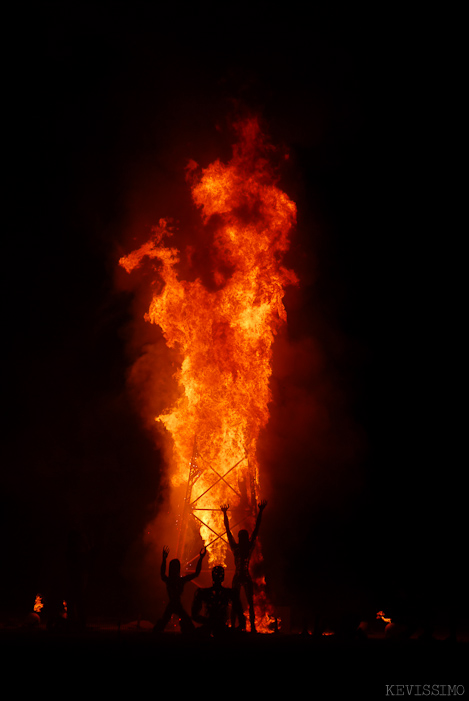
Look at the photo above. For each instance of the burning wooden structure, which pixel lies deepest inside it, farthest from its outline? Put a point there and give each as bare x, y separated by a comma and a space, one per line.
224, 333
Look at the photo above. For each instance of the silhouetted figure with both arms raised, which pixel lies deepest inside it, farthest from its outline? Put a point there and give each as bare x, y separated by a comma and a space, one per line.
175, 585
242, 551
215, 601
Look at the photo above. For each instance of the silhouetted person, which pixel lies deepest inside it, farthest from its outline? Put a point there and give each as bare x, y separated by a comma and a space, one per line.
242, 551
174, 586
215, 601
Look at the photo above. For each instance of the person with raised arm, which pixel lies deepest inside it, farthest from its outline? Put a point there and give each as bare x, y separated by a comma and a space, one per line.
174, 586
242, 551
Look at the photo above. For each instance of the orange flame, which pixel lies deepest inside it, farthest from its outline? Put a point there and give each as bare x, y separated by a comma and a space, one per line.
381, 615
38, 605
225, 333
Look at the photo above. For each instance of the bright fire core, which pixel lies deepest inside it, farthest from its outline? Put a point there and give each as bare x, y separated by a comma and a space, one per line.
224, 334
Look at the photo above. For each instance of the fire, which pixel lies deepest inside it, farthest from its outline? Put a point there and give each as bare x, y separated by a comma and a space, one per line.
381, 615
38, 605
224, 335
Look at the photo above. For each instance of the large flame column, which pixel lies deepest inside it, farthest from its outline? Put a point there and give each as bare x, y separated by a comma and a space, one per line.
224, 334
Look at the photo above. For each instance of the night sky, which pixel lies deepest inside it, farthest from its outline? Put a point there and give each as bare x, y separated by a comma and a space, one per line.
105, 107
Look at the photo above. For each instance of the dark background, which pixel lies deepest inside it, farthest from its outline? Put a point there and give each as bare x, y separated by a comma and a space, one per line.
104, 107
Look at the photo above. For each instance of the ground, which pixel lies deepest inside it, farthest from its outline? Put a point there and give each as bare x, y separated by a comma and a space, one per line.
132, 657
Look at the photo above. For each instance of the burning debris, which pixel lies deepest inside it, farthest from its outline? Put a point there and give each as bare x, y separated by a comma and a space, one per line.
380, 615
38, 605
34, 617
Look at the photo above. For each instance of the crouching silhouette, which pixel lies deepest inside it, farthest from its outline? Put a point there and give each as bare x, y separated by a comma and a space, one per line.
215, 602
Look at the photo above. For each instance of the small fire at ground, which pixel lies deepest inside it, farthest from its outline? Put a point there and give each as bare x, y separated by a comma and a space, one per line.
381, 615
